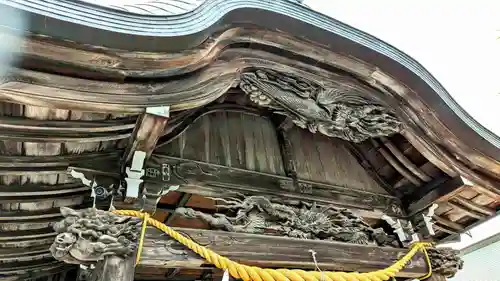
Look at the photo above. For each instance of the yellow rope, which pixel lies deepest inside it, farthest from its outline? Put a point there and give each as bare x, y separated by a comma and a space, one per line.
141, 238
253, 273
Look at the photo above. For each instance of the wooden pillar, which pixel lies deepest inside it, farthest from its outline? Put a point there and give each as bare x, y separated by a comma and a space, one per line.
115, 268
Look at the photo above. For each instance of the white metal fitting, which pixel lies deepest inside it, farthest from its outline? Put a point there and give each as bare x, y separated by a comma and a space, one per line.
134, 174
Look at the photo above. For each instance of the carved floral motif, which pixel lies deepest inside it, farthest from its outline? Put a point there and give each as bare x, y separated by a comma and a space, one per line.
332, 112
258, 215
89, 235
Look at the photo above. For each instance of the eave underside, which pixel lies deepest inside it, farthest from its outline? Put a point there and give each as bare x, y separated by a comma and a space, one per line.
67, 105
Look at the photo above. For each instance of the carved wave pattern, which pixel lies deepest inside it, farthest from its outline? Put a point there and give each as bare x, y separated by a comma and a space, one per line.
332, 112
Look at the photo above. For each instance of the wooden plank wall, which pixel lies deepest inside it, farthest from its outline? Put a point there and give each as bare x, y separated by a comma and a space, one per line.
248, 141
327, 160
232, 139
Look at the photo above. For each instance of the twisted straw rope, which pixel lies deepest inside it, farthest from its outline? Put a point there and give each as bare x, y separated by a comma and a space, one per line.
253, 273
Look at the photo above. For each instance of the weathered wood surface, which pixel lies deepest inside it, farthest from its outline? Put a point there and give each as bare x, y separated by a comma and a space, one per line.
242, 140
460, 205
327, 160
119, 64
37, 145
441, 192
115, 269
216, 180
161, 253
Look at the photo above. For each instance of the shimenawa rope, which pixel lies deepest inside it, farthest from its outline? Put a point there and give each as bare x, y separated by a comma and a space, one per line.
253, 273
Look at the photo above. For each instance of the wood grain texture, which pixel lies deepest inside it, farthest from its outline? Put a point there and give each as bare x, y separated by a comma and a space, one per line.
119, 64
214, 180
33, 179
115, 269
231, 139
160, 253
328, 160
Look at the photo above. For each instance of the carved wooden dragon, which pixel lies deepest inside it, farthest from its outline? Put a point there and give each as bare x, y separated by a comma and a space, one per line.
258, 215
333, 112
88, 236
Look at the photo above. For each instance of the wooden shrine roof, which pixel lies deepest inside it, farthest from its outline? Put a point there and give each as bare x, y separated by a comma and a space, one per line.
77, 91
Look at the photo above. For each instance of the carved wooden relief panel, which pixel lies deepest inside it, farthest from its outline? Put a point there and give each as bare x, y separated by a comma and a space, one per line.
334, 111
232, 139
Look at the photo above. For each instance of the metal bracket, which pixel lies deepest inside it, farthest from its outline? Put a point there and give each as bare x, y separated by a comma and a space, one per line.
397, 227
428, 219
80, 176
134, 175
162, 111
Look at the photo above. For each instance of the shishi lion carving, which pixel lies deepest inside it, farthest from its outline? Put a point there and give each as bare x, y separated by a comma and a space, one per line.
335, 112
88, 236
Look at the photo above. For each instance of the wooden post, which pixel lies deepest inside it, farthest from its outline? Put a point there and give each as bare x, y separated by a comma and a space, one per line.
115, 268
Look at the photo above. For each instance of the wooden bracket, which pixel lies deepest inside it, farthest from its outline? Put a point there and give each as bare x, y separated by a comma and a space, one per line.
150, 127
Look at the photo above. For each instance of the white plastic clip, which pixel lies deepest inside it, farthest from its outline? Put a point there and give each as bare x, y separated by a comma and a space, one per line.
134, 174
428, 219
396, 226
225, 277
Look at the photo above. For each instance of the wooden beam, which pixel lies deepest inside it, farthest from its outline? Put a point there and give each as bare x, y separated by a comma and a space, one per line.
448, 223
405, 161
150, 127
213, 180
444, 229
395, 164
363, 161
473, 206
161, 253
434, 192
468, 212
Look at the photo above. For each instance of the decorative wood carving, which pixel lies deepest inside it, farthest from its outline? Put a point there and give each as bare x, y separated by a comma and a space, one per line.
91, 235
220, 181
445, 261
418, 104
334, 112
258, 215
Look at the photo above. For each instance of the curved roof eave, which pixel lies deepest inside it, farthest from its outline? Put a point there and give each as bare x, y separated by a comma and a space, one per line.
96, 25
